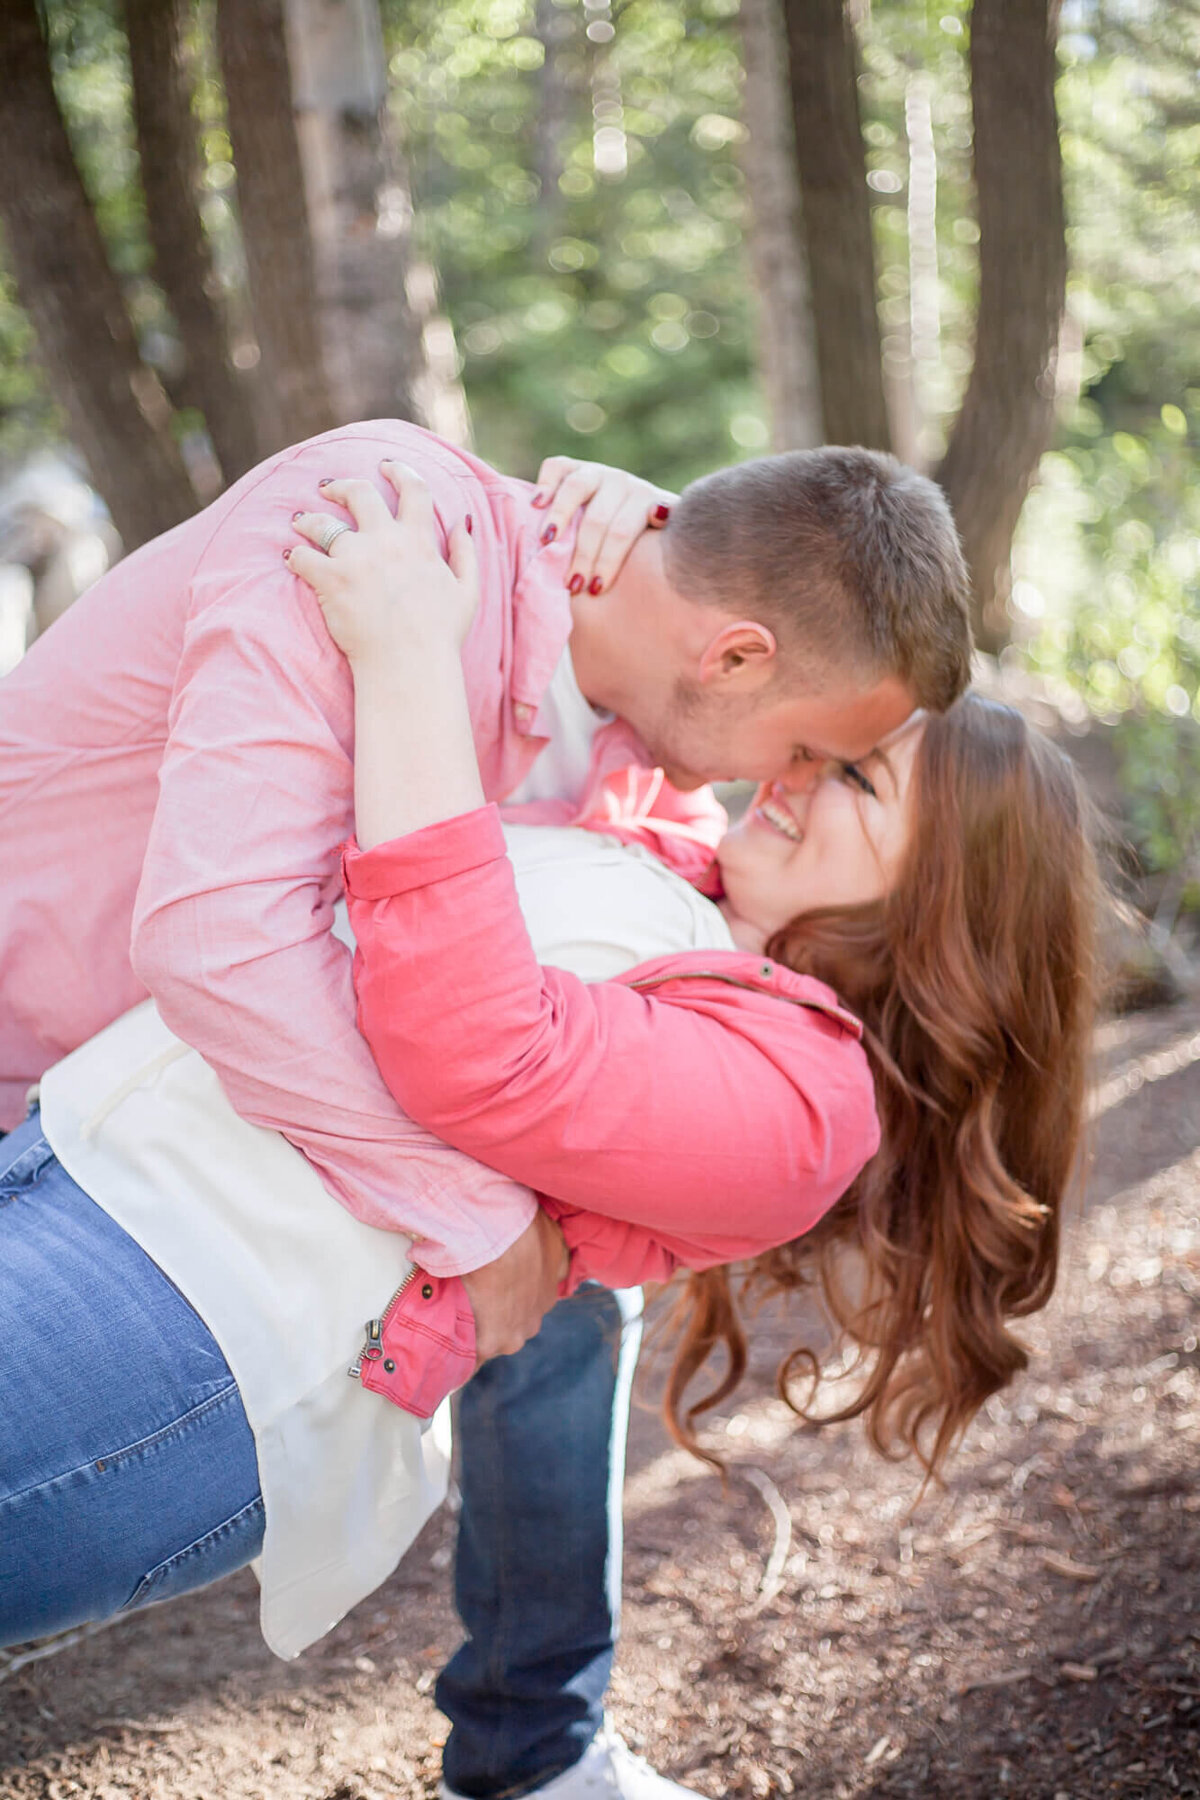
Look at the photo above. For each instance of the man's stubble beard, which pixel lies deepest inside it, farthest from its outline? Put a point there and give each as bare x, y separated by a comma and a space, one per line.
674, 739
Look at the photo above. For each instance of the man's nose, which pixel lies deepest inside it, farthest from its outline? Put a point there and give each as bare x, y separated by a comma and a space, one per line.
801, 777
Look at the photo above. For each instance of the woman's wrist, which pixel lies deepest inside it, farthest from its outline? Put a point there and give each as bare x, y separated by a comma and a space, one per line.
414, 757
392, 654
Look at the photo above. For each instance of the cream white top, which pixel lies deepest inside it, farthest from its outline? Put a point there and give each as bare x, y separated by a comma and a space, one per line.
283, 1275
562, 769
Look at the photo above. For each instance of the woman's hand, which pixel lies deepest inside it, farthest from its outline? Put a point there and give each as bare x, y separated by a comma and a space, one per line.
400, 614
382, 585
617, 509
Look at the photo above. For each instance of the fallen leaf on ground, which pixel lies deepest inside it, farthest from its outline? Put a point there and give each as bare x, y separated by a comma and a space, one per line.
1058, 1564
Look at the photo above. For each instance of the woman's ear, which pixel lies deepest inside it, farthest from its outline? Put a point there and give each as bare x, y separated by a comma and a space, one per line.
742, 654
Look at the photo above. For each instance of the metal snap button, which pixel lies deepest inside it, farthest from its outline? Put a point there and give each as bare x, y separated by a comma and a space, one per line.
389, 1365
427, 1291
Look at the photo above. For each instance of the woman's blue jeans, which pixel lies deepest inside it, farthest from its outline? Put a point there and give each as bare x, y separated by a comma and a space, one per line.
128, 1473
127, 1467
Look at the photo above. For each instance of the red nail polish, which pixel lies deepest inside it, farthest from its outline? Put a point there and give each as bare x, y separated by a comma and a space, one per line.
575, 585
595, 585
326, 481
287, 556
539, 499
470, 525
295, 516
550, 533
662, 513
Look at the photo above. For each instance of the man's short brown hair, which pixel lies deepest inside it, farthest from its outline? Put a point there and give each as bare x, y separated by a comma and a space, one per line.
847, 554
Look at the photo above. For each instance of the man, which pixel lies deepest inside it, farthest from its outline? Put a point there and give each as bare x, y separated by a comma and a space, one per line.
175, 782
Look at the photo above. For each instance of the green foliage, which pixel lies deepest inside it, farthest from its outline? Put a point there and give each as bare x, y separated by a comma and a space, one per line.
91, 76
602, 310
28, 417
1160, 769
1109, 549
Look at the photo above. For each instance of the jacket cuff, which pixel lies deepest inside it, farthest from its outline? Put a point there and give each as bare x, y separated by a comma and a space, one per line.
426, 1347
451, 847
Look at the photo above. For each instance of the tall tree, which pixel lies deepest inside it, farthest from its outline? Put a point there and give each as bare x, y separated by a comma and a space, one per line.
170, 166
116, 408
1008, 408
555, 28
375, 297
823, 72
294, 389
778, 253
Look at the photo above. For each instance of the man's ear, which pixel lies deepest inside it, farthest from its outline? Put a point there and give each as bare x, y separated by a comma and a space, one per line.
740, 655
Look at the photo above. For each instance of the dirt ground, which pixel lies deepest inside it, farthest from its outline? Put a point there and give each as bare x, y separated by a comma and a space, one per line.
1032, 1630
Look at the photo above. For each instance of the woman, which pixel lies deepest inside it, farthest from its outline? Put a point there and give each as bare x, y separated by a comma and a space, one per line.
945, 888
797, 1062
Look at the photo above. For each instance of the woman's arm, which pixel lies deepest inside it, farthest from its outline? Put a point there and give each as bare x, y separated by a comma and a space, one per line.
723, 1120
400, 615
617, 509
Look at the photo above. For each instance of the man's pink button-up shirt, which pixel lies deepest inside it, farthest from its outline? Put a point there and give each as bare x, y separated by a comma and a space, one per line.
175, 786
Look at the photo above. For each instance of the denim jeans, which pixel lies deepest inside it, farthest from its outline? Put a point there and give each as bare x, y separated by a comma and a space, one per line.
538, 1575
128, 1473
127, 1467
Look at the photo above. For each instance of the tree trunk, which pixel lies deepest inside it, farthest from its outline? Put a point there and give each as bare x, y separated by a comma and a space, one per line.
360, 217
778, 256
1007, 412
555, 27
170, 163
116, 409
823, 72
293, 389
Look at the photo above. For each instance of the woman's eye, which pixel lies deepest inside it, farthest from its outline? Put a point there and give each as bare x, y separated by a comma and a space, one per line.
856, 778
802, 755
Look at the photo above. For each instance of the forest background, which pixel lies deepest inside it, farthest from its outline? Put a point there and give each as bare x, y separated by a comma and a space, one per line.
666, 234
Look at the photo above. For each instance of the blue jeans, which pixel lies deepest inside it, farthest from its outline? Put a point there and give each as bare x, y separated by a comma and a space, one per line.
538, 1576
127, 1467
128, 1473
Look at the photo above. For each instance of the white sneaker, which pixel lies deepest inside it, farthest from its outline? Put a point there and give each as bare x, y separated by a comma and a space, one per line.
607, 1770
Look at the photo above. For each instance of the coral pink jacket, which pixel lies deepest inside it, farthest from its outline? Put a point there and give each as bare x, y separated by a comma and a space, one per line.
707, 1107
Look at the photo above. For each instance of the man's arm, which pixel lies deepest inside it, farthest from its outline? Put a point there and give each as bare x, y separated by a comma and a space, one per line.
232, 925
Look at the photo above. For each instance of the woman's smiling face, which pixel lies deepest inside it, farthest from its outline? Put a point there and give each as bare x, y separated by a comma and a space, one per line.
831, 834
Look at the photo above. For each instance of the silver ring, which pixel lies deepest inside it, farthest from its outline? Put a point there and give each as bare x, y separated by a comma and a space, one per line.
330, 533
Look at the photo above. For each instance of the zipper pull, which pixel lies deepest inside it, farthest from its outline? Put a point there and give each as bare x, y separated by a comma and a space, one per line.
372, 1349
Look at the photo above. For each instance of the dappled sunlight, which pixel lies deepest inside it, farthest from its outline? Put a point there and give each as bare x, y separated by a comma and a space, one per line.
1155, 1065
760, 1424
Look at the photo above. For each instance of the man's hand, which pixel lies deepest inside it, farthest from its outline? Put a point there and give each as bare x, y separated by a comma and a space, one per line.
511, 1296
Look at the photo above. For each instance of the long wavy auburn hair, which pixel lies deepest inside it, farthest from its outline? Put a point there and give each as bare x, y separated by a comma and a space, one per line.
975, 979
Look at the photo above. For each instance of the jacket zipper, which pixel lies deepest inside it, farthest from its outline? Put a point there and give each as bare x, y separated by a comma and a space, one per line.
372, 1348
